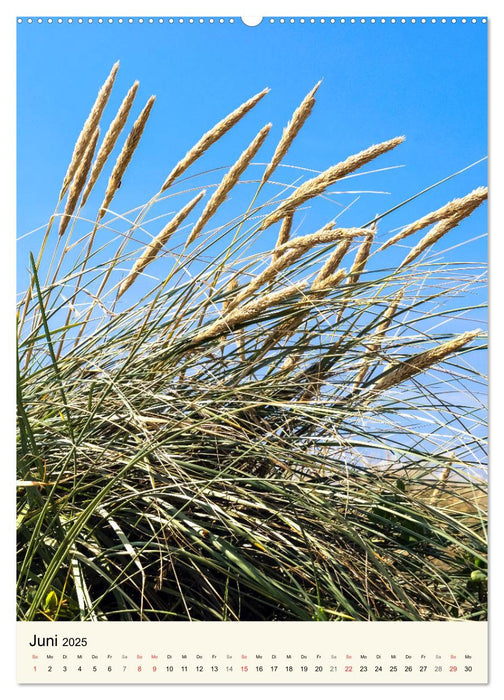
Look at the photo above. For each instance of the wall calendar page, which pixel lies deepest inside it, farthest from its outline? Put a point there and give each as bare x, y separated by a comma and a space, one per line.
252, 350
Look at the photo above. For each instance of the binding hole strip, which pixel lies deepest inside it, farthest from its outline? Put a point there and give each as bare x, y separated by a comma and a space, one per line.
252, 21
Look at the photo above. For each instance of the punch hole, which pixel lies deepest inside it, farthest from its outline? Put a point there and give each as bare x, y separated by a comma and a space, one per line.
251, 21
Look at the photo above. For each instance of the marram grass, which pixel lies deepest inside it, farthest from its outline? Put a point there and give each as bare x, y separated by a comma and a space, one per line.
209, 433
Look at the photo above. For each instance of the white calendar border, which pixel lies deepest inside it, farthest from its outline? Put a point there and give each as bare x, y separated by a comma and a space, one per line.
7, 192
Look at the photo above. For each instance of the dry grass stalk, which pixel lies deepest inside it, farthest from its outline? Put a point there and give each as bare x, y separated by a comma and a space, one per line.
283, 235
291, 362
249, 311
439, 230
125, 156
284, 330
389, 314
228, 182
110, 139
472, 200
267, 275
359, 263
289, 253
409, 368
314, 381
375, 345
327, 234
313, 376
291, 131
78, 182
317, 185
287, 328
152, 250
211, 137
362, 256
89, 128
325, 284
334, 260
442, 482
232, 285
359, 377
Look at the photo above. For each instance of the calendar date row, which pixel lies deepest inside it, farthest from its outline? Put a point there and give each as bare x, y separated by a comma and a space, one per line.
304, 668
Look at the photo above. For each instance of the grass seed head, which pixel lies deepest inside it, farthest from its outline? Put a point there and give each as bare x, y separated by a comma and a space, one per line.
328, 282
327, 234
283, 235
361, 257
231, 287
317, 185
334, 260
89, 127
268, 274
291, 131
78, 182
250, 311
152, 250
418, 363
453, 208
446, 225
125, 156
228, 182
110, 139
210, 137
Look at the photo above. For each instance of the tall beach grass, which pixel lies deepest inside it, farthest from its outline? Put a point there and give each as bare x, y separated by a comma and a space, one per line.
214, 427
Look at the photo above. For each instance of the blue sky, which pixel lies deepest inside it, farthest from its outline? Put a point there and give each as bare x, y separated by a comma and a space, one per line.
426, 82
